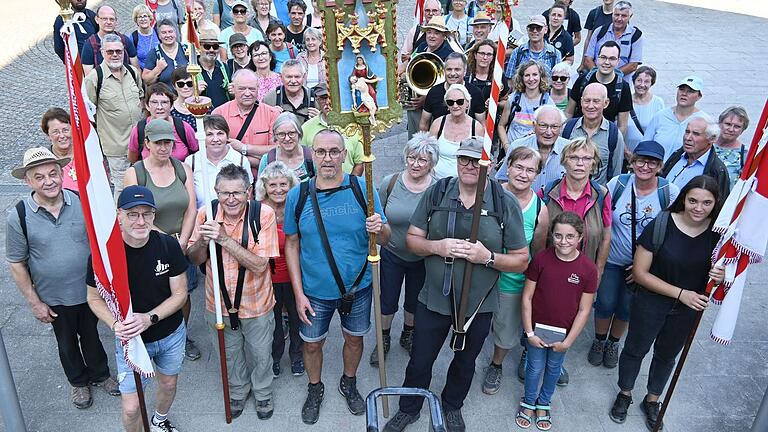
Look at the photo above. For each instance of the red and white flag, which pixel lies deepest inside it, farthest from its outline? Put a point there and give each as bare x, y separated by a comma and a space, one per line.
105, 239
743, 240
419, 12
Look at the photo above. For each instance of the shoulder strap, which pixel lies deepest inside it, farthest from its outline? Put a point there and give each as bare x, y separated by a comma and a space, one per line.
358, 193
587, 78
548, 189
232, 307
636, 35
601, 192
302, 201
538, 211
663, 191
279, 96
442, 125
135, 37
140, 127
473, 127
391, 187
271, 155
602, 31
636, 121
621, 184
21, 210
99, 82
619, 86
613, 139
659, 231
141, 173
308, 161
247, 122
254, 219
568, 128
497, 194
436, 194
178, 168
416, 35
178, 124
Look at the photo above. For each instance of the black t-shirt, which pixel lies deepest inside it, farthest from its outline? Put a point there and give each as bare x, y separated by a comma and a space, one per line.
149, 271
215, 80
563, 42
615, 106
483, 85
596, 18
435, 105
682, 261
296, 39
572, 22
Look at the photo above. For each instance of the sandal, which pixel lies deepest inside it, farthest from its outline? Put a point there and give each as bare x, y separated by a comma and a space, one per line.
543, 423
522, 416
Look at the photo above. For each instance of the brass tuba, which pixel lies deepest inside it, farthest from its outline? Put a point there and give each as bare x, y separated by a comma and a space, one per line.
424, 71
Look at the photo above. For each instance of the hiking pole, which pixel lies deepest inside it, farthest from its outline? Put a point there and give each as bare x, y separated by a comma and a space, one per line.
10, 409
374, 258
199, 106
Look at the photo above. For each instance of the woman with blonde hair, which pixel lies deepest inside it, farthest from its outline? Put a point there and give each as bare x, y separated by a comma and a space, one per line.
530, 87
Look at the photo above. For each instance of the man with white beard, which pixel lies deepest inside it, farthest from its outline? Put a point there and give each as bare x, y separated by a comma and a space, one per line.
116, 90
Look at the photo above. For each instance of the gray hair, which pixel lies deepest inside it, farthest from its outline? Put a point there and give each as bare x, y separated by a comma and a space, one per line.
457, 55
462, 89
622, 5
540, 110
295, 63
423, 143
562, 67
316, 33
271, 171
711, 129
737, 111
283, 118
110, 38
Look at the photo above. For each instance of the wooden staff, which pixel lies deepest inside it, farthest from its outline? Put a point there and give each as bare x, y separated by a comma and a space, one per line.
374, 258
142, 404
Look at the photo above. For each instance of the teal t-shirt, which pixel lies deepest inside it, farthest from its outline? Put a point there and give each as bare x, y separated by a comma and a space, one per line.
512, 283
344, 222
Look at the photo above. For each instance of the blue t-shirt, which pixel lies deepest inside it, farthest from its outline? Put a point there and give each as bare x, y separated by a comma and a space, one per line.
344, 222
90, 58
282, 56
145, 45
165, 75
281, 9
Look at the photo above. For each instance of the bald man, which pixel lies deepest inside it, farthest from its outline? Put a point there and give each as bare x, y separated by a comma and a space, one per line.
604, 133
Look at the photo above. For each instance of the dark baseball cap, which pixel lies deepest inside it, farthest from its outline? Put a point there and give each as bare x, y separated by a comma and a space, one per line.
650, 149
471, 147
237, 39
133, 196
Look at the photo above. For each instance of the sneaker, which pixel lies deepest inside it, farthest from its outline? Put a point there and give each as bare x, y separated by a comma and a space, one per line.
651, 410
454, 422
348, 389
191, 351
564, 379
400, 421
406, 340
163, 426
611, 355
236, 407
595, 355
276, 369
297, 368
521, 366
620, 406
81, 397
310, 412
492, 381
109, 385
374, 360
264, 409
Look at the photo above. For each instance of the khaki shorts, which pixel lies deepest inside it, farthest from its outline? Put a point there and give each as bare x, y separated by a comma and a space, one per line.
506, 326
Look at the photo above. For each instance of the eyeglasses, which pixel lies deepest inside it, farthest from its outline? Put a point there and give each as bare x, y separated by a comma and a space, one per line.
134, 216
544, 126
568, 237
58, 132
484, 54
535, 28
234, 194
182, 84
560, 78
458, 102
291, 135
603, 58
157, 103
239, 11
143, 16
111, 52
465, 161
260, 54
415, 160
520, 168
652, 164
333, 153
211, 46
583, 159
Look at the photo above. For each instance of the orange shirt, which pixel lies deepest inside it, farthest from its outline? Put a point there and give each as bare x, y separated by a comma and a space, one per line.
258, 298
259, 132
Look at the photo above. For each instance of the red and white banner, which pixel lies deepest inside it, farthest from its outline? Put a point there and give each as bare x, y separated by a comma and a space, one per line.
743, 235
104, 237
419, 12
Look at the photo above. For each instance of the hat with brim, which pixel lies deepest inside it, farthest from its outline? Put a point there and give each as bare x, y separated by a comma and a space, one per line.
208, 35
693, 82
237, 39
159, 130
134, 196
650, 149
536, 20
37, 156
436, 23
320, 89
481, 18
471, 147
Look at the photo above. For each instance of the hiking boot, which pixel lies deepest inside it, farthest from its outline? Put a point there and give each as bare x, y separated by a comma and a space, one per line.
163, 426
81, 397
564, 379
276, 369
109, 385
521, 365
264, 409
611, 354
620, 406
595, 355
348, 389
406, 340
492, 381
400, 421
191, 351
454, 422
651, 410
374, 360
297, 368
236, 407
310, 412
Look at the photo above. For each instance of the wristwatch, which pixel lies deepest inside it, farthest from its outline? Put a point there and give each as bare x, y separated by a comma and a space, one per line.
244, 150
491, 260
529, 335
153, 318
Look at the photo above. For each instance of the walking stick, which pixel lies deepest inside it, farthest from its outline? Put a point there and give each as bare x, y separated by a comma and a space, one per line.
199, 106
374, 258
142, 403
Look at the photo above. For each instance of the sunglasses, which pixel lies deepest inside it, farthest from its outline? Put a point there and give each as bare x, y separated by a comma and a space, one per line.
535, 28
560, 78
458, 102
111, 52
182, 84
211, 46
239, 11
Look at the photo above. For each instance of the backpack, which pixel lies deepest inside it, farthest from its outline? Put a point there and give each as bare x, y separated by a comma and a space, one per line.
141, 172
308, 101
623, 180
441, 186
613, 139
21, 210
96, 47
550, 56
354, 184
659, 231
254, 216
515, 107
135, 39
390, 188
100, 81
617, 89
177, 124
603, 30
272, 156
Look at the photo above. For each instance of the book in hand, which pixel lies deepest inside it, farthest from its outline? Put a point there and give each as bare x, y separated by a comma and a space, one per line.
549, 334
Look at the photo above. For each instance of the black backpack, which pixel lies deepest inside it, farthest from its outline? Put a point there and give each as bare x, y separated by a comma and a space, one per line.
441, 186
613, 139
272, 156
304, 194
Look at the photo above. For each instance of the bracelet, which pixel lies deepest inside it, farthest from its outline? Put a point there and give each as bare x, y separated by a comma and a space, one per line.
113, 325
679, 294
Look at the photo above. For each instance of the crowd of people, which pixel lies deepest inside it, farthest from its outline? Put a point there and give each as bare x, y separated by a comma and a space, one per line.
598, 205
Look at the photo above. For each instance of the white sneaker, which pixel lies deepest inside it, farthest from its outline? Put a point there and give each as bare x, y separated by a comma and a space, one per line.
163, 426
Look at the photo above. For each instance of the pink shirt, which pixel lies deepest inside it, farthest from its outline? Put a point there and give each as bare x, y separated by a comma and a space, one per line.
580, 205
180, 151
69, 177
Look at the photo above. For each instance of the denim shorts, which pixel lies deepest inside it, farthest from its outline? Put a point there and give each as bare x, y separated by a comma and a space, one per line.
192, 274
614, 297
167, 354
357, 323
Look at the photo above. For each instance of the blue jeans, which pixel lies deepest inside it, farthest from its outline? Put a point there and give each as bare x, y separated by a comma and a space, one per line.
167, 354
613, 296
541, 361
357, 323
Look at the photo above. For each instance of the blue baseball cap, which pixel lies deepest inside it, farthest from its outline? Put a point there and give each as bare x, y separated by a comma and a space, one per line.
650, 149
133, 196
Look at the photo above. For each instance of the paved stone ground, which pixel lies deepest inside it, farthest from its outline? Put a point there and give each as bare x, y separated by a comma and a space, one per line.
720, 389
